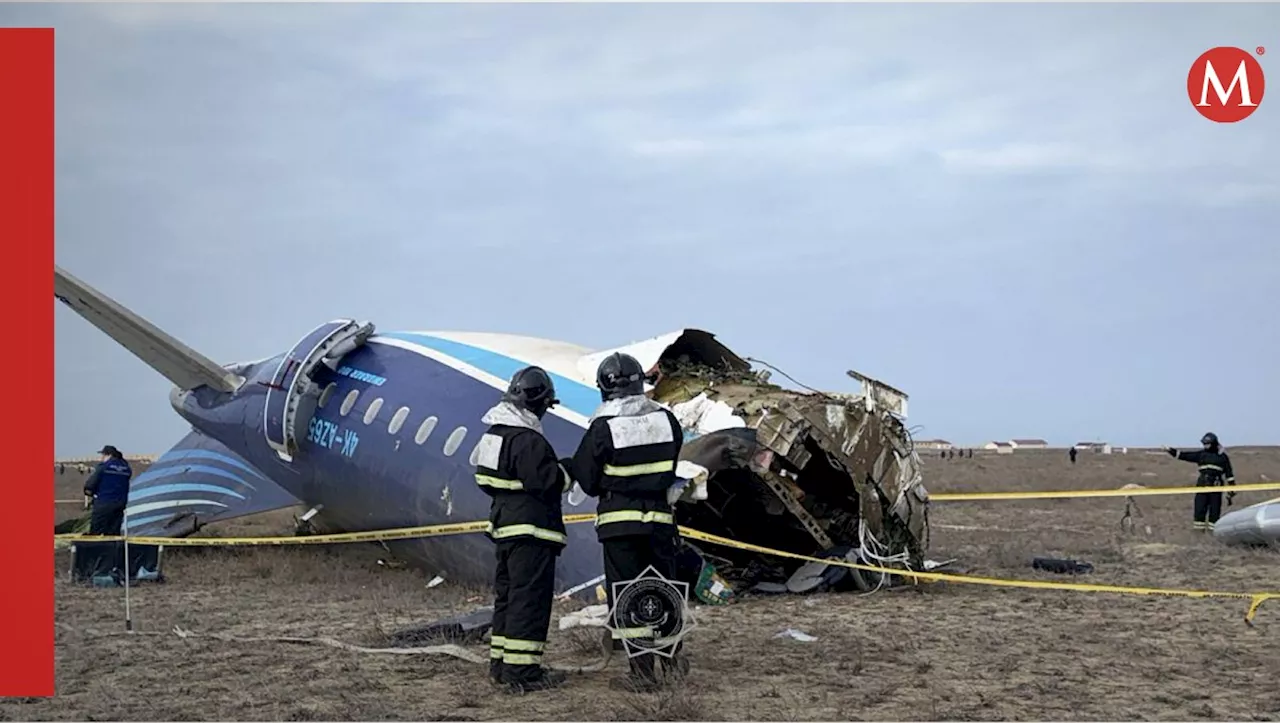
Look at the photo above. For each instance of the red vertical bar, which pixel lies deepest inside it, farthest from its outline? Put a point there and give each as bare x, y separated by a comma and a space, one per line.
26, 231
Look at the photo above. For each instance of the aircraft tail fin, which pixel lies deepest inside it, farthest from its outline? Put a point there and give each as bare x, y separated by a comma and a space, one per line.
196, 482
180, 364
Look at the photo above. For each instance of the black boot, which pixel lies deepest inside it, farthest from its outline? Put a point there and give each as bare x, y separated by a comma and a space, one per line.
544, 679
495, 671
676, 667
642, 678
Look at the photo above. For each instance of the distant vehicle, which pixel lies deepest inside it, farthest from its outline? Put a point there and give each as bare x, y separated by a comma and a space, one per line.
373, 430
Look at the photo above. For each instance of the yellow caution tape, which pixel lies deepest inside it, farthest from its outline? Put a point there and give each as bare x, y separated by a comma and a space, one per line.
400, 533
1075, 494
1255, 599
407, 533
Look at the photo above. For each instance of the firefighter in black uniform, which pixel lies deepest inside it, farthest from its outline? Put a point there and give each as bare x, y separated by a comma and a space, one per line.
1215, 470
627, 459
517, 467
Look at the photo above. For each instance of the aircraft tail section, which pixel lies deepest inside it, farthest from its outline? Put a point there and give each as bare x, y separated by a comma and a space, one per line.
179, 363
196, 482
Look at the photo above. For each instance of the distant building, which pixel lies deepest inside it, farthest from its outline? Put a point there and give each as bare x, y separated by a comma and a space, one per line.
934, 444
999, 447
1095, 447
94, 459
1029, 444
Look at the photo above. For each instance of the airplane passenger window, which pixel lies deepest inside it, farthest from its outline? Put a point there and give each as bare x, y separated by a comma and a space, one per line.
372, 411
454, 441
349, 402
424, 431
327, 394
398, 420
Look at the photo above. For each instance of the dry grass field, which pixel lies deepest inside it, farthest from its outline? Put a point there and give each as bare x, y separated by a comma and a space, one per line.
938, 652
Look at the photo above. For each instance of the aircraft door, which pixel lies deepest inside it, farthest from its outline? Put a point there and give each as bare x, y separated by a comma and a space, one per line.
291, 385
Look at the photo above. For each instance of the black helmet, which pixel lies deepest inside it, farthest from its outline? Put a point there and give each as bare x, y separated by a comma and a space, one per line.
619, 375
531, 388
1209, 440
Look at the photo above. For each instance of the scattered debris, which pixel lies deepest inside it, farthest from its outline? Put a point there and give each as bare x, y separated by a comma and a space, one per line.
1061, 566
706, 584
462, 629
821, 577
434, 581
796, 635
582, 586
1257, 525
594, 616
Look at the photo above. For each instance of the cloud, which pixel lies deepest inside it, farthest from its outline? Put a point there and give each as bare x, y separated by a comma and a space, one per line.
844, 174
1027, 157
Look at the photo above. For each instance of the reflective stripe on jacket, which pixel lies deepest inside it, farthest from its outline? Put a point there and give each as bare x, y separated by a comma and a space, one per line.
627, 459
516, 466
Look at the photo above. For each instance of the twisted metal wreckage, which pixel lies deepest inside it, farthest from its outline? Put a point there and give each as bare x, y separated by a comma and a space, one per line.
817, 473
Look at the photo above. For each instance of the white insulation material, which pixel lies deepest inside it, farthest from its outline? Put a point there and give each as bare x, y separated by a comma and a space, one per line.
701, 415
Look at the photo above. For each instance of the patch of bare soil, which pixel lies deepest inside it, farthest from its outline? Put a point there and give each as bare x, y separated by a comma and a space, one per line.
937, 652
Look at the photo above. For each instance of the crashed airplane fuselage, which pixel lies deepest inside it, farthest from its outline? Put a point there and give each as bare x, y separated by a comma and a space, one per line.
376, 430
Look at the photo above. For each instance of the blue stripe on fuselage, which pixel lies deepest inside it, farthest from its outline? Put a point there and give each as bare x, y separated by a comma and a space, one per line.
175, 456
139, 524
152, 474
573, 394
182, 487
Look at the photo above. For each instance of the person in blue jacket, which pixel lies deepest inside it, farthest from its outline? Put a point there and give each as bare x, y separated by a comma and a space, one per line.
108, 488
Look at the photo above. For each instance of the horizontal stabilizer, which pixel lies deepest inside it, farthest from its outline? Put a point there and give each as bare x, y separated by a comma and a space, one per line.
180, 364
196, 482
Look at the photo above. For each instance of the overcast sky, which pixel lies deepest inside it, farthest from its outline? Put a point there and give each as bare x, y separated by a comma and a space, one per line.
1010, 211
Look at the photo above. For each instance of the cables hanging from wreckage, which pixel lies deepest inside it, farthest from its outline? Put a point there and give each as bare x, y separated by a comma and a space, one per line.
870, 548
